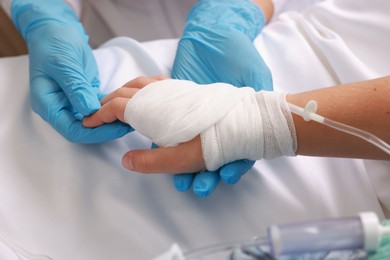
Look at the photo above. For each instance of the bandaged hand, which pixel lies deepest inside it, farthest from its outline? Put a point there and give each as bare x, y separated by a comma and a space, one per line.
198, 127
217, 46
63, 72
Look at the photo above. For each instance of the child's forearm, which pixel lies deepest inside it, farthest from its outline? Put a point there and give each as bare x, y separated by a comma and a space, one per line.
364, 105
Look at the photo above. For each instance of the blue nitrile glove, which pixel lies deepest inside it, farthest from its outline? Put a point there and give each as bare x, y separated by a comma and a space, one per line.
63, 72
217, 46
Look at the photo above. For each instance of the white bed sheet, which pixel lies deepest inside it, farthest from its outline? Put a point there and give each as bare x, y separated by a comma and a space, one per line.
72, 201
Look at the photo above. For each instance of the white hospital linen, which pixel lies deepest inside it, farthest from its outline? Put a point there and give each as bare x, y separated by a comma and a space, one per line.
71, 201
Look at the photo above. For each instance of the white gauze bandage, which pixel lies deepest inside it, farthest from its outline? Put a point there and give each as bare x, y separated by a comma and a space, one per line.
234, 123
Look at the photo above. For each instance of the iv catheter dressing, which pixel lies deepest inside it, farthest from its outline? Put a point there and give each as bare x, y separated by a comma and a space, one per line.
361, 232
308, 113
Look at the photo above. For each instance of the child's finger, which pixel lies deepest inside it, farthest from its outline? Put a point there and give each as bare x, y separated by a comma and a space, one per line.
183, 158
141, 82
108, 113
119, 93
130, 88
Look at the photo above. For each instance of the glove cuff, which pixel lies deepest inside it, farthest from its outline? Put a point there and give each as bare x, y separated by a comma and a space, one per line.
241, 15
30, 14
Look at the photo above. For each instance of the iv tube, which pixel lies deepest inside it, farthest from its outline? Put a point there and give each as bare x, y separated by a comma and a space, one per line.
228, 246
308, 113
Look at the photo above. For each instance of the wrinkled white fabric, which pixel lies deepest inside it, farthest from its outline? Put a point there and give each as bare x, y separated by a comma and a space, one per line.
234, 123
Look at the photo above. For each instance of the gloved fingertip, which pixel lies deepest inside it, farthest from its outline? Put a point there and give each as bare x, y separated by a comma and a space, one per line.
230, 178
86, 104
124, 129
202, 193
203, 189
104, 133
79, 116
183, 182
205, 183
154, 146
232, 172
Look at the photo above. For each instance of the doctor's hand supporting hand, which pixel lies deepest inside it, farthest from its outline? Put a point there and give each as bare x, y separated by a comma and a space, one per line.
209, 136
217, 46
63, 72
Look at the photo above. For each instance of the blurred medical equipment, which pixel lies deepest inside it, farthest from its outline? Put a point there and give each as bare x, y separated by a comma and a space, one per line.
308, 113
361, 232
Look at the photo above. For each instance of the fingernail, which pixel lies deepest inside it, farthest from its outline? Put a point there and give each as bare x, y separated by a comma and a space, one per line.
229, 178
201, 194
127, 162
183, 181
201, 189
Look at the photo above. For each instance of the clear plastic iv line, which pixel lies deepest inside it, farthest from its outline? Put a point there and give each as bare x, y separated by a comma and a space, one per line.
228, 246
308, 113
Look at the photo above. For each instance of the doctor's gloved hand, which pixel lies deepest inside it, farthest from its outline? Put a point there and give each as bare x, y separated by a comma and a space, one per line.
63, 71
217, 46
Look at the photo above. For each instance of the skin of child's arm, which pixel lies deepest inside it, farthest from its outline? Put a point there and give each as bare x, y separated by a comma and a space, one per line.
365, 105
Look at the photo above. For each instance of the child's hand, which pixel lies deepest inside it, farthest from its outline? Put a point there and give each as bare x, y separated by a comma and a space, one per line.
113, 105
183, 158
